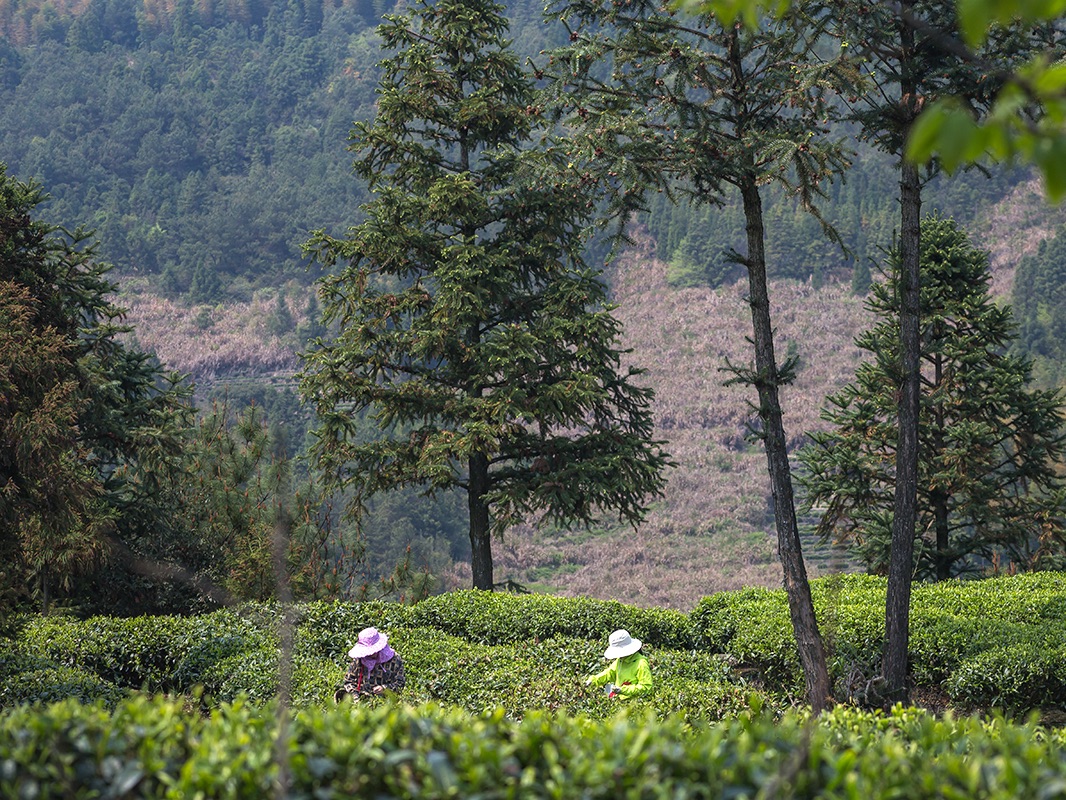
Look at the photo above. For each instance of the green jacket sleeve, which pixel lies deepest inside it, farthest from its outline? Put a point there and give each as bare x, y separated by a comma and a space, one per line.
604, 677
638, 682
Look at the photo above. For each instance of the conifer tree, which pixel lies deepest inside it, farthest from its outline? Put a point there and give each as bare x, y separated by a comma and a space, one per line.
711, 110
470, 328
910, 54
988, 491
89, 427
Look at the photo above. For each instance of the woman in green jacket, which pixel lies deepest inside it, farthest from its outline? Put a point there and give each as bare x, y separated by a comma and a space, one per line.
628, 674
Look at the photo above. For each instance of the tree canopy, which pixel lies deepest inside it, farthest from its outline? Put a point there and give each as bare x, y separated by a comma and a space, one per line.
989, 494
89, 424
470, 327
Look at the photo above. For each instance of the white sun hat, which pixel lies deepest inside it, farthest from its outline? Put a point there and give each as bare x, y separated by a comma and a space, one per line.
621, 645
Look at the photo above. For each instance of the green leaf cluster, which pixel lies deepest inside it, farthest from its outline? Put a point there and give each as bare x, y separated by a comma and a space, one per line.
151, 748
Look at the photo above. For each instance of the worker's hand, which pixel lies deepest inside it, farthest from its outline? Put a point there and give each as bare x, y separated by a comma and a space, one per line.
378, 689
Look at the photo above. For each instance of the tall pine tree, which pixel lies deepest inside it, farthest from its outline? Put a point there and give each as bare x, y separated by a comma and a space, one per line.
988, 491
90, 428
713, 111
911, 55
470, 327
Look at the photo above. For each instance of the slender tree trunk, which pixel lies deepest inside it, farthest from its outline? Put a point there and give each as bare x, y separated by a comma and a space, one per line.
797, 587
480, 540
46, 596
478, 487
901, 558
939, 499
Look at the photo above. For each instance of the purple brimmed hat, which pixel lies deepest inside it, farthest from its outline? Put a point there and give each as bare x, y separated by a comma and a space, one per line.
371, 640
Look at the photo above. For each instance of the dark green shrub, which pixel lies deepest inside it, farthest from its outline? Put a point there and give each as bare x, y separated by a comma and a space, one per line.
1020, 677
135, 652
940, 642
251, 673
498, 618
195, 667
29, 679
255, 675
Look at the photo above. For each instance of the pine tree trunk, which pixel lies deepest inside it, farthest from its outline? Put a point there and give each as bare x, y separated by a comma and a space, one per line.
480, 541
797, 587
901, 558
940, 520
46, 596
939, 499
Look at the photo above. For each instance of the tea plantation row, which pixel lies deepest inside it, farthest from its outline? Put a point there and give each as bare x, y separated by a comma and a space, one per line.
153, 748
999, 642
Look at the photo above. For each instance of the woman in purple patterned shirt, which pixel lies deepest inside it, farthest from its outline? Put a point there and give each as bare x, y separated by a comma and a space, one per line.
375, 668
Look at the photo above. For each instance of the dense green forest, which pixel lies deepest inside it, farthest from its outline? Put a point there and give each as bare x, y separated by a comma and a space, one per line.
204, 142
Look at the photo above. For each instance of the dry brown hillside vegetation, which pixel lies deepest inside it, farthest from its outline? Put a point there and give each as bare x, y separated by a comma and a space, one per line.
713, 530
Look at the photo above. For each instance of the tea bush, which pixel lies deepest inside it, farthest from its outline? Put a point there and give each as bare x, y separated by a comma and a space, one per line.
327, 629
990, 643
499, 618
133, 653
1015, 678
952, 624
26, 678
153, 749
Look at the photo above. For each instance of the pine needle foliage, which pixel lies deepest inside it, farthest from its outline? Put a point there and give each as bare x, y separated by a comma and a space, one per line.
479, 343
988, 491
89, 426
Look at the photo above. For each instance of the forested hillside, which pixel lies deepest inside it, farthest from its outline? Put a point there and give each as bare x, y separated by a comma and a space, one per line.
205, 141
202, 141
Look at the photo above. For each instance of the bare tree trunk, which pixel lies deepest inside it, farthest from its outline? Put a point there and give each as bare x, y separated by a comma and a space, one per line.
797, 587
480, 538
901, 558
280, 544
46, 596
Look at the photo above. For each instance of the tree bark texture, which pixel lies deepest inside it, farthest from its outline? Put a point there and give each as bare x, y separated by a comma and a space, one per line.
800, 603
901, 558
480, 534
939, 498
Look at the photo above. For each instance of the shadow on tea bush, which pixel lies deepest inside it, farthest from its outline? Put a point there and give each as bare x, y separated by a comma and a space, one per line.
1016, 678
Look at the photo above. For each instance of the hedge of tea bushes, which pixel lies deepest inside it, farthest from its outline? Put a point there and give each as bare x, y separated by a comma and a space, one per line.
153, 748
998, 642
231, 654
28, 679
502, 618
993, 643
